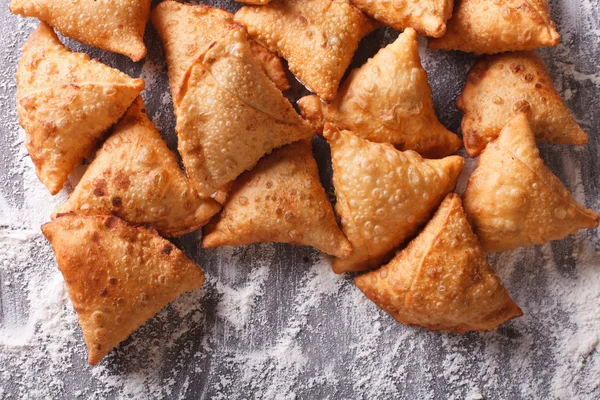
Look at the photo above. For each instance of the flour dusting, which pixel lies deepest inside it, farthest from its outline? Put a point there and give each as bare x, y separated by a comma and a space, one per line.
273, 321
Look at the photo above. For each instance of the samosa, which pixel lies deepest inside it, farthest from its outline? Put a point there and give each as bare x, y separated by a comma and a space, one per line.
117, 276
383, 195
136, 177
498, 87
187, 31
116, 26
492, 26
66, 103
427, 17
279, 200
513, 200
230, 114
388, 100
442, 280
317, 37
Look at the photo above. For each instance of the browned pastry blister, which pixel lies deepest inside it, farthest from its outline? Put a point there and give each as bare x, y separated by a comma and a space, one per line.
427, 17
383, 195
187, 31
66, 103
493, 26
513, 200
117, 276
387, 100
498, 87
136, 177
115, 25
279, 200
317, 37
442, 280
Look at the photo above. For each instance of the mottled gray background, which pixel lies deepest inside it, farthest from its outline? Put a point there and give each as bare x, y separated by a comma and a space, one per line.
302, 332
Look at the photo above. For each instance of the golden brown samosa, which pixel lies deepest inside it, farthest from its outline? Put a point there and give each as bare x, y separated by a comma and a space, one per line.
66, 102
513, 200
279, 200
256, 2
388, 100
383, 195
492, 26
498, 87
427, 17
116, 26
117, 276
187, 31
317, 37
136, 177
230, 114
442, 280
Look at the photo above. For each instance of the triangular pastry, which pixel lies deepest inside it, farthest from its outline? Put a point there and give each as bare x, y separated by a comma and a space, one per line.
498, 87
492, 26
255, 2
116, 26
388, 100
66, 102
383, 195
513, 200
317, 37
117, 276
427, 17
136, 177
279, 200
230, 115
187, 31
442, 280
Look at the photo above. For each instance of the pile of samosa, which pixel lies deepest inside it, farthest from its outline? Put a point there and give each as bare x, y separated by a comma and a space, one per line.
250, 175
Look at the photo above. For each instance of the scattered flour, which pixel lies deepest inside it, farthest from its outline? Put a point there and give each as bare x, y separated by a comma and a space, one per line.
272, 321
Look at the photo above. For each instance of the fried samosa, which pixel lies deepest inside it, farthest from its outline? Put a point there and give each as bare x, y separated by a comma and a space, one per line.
279, 200
427, 17
513, 200
187, 31
383, 195
255, 2
116, 26
117, 276
66, 103
388, 100
136, 177
317, 37
230, 115
442, 280
498, 87
492, 26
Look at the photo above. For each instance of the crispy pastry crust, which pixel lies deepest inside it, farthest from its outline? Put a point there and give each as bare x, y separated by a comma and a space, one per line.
66, 103
514, 200
136, 177
118, 276
442, 280
383, 195
113, 25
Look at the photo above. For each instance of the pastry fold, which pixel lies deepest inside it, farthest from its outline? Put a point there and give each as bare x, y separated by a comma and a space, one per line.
111, 25
230, 114
117, 276
317, 37
513, 200
66, 102
136, 177
427, 17
279, 200
187, 31
498, 87
442, 280
383, 195
492, 26
388, 100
